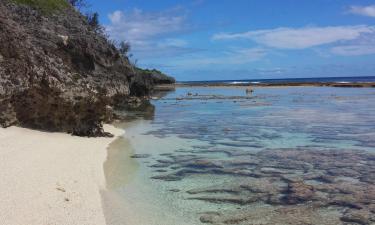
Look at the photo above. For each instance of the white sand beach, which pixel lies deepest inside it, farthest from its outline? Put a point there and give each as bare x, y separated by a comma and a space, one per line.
51, 178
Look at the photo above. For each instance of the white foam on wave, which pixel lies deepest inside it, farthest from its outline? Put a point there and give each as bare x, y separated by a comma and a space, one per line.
239, 82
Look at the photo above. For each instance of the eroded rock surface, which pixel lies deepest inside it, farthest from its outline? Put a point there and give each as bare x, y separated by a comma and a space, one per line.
58, 73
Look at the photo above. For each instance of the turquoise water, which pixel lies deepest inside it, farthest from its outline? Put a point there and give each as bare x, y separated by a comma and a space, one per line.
299, 155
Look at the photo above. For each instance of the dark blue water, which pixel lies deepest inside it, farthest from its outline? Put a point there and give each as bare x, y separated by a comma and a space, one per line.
289, 80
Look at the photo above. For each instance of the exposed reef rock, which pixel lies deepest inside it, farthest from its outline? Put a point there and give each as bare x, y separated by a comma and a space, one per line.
58, 73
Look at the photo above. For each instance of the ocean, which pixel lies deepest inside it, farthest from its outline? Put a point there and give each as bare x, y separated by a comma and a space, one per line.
219, 155
288, 80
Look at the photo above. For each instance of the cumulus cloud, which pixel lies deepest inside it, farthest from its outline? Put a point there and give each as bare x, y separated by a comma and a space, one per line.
300, 38
353, 50
363, 10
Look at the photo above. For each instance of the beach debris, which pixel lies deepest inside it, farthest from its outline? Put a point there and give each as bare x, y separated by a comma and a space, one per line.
61, 189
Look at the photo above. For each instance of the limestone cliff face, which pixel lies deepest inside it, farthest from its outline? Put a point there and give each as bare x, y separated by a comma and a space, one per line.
57, 73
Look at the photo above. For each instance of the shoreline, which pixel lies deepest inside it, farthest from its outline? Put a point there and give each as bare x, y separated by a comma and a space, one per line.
52, 178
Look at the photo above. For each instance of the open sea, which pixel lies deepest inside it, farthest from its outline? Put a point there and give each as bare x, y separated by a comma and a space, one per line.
341, 80
217, 155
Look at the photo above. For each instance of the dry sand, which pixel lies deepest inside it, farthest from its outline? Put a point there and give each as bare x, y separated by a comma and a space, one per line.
51, 178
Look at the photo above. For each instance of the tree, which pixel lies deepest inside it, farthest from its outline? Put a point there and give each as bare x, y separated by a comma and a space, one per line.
79, 4
124, 48
93, 20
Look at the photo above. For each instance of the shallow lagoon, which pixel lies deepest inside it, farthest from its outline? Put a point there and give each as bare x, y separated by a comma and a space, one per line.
299, 155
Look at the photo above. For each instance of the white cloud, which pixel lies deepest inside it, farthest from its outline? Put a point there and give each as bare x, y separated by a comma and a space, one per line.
173, 42
354, 50
116, 17
163, 48
149, 33
247, 55
232, 57
300, 38
363, 10
140, 25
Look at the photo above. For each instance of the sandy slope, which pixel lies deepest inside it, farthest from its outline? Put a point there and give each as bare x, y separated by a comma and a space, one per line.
51, 178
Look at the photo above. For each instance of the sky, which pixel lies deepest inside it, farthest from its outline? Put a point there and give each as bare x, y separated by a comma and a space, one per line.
245, 39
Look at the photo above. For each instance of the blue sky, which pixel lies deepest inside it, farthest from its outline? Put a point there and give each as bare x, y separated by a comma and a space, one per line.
245, 39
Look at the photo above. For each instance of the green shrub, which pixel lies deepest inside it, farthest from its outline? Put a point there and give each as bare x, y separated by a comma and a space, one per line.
46, 6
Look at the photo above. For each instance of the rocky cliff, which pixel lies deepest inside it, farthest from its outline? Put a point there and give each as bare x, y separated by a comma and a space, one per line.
58, 73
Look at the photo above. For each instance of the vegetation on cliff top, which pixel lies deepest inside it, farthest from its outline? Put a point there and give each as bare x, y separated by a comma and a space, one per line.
150, 72
46, 6
155, 75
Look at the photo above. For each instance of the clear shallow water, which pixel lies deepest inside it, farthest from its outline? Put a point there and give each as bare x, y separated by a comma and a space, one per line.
301, 155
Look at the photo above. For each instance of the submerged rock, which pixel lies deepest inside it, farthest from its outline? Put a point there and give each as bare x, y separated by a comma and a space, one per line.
296, 186
299, 192
266, 215
363, 217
